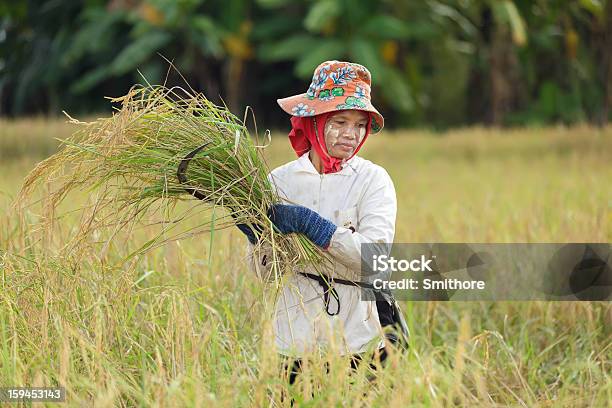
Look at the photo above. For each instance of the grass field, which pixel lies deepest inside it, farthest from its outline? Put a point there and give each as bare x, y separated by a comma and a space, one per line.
188, 324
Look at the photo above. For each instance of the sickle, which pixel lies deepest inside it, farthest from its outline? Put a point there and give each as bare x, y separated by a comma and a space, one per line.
182, 169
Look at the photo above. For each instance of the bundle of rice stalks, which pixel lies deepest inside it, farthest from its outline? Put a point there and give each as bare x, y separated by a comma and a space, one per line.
160, 147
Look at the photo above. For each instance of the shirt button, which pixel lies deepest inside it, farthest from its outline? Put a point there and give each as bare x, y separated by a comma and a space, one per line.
314, 202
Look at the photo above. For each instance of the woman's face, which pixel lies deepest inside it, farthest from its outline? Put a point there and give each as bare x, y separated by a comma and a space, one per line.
344, 131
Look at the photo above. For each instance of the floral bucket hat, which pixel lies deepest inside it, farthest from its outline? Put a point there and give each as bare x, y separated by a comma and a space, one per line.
335, 86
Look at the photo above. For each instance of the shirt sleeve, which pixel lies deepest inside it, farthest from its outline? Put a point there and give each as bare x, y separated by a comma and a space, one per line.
377, 211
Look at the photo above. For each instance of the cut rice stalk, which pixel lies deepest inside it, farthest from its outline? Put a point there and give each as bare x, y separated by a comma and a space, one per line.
131, 160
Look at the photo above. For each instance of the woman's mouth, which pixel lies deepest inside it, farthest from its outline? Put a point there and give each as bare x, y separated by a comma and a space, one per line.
345, 146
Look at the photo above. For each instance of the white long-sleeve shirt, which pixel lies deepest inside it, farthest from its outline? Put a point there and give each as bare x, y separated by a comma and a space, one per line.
360, 199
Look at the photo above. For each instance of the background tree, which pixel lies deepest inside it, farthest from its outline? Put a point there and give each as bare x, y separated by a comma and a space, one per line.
435, 63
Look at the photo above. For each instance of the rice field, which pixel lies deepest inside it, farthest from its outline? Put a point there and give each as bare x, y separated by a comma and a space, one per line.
188, 323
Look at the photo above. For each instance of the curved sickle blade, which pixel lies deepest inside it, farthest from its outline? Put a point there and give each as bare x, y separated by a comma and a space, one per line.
182, 169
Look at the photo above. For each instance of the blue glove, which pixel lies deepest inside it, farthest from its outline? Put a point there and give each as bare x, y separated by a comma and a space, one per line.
295, 218
246, 230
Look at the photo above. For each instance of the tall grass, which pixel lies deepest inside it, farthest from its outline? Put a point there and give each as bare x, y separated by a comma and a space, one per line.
187, 324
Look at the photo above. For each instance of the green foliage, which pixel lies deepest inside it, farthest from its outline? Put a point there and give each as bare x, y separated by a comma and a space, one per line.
386, 27
322, 13
323, 50
138, 51
66, 55
288, 48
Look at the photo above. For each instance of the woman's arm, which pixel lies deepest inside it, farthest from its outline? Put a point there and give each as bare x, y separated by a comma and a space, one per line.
377, 211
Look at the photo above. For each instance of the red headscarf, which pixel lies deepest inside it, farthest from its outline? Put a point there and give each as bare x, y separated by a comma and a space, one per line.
303, 137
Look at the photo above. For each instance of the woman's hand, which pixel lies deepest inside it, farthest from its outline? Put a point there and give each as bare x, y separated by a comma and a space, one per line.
294, 219
297, 219
250, 234
252, 231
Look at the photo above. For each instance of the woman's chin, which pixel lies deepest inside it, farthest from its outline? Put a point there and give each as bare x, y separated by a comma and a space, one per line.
341, 154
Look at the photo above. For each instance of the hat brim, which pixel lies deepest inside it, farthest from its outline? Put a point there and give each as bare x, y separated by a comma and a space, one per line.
304, 105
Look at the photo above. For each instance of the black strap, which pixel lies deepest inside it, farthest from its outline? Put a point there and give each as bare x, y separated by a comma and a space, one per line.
326, 278
328, 287
327, 283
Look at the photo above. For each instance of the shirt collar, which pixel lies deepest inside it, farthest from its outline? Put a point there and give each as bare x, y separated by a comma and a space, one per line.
306, 165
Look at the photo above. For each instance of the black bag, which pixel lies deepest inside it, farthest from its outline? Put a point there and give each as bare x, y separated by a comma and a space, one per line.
391, 316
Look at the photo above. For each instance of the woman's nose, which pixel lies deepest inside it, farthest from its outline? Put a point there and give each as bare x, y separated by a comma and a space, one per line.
350, 132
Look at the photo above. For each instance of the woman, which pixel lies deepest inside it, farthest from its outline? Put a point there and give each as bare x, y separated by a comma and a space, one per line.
339, 201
